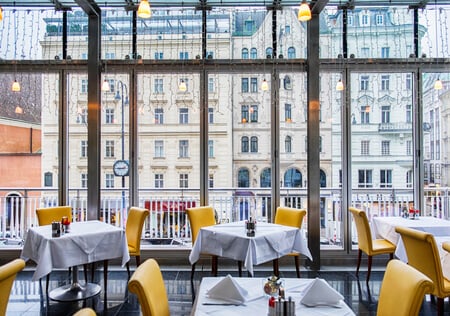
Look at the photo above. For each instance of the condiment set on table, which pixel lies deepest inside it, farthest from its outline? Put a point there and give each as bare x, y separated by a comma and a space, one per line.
60, 228
278, 305
411, 214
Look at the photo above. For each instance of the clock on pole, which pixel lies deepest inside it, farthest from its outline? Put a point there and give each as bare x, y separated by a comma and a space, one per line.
121, 168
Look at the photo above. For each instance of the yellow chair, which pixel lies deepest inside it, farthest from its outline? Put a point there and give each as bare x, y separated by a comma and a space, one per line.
288, 216
366, 244
423, 255
402, 290
8, 273
148, 284
85, 312
133, 230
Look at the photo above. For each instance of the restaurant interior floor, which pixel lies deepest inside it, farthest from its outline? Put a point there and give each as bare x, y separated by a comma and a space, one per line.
27, 297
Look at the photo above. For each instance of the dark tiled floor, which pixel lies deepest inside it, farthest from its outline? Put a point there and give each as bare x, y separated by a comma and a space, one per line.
27, 297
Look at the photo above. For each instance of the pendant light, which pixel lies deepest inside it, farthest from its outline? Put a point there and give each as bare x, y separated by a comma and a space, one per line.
304, 12
182, 86
15, 86
105, 86
438, 84
264, 85
339, 85
18, 110
144, 11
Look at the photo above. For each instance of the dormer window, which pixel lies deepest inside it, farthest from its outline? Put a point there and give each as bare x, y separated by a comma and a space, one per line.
365, 18
379, 19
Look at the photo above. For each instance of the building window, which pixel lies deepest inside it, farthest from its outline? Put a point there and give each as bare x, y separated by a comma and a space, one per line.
365, 148
159, 116
111, 83
183, 116
409, 179
254, 113
159, 149
184, 148
158, 85
184, 180
253, 53
48, 179
385, 178
243, 178
210, 115
364, 178
159, 55
364, 83
269, 52
350, 20
291, 52
159, 180
408, 82
109, 116
293, 178
287, 29
254, 144
109, 149
82, 116
244, 85
211, 180
210, 148
84, 86
320, 144
385, 114
409, 148
109, 180
365, 114
83, 180
287, 112
211, 86
385, 82
385, 148
287, 83
379, 19
244, 114
265, 178
244, 144
365, 52
83, 148
244, 53
184, 55
408, 113
288, 144
365, 19
254, 85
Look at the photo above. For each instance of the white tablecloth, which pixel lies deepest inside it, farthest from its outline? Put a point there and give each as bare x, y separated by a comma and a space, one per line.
384, 227
258, 305
271, 241
86, 242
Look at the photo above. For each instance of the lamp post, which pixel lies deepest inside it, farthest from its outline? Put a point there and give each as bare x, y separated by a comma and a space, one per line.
121, 166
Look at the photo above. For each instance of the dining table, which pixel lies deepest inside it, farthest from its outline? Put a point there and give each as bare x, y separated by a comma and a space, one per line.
384, 227
85, 242
230, 240
257, 302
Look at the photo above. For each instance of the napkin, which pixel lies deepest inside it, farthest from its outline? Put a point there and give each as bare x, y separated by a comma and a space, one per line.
319, 292
228, 290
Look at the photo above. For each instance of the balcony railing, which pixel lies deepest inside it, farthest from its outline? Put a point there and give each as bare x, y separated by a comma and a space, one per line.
168, 224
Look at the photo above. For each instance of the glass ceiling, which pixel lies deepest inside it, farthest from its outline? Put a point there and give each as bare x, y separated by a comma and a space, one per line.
317, 5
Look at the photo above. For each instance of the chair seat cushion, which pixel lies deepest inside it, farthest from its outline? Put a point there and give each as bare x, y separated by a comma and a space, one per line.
382, 246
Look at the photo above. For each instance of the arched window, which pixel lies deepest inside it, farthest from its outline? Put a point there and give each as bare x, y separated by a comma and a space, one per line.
253, 53
243, 178
293, 178
244, 53
291, 52
288, 144
269, 52
244, 144
287, 83
254, 144
323, 179
265, 178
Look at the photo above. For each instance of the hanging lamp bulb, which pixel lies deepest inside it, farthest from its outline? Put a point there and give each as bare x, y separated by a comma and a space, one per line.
105, 86
339, 85
304, 12
144, 11
18, 110
1, 14
15, 86
438, 84
182, 86
264, 85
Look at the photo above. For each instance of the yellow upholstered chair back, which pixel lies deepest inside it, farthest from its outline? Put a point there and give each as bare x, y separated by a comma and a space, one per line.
148, 284
50, 214
402, 290
8, 273
423, 255
200, 217
133, 229
289, 216
363, 230
85, 312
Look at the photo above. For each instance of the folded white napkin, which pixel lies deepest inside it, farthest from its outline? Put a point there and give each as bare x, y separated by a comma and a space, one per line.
228, 290
319, 292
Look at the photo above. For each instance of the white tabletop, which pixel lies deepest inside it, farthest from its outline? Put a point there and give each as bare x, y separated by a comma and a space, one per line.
384, 227
230, 240
258, 304
86, 242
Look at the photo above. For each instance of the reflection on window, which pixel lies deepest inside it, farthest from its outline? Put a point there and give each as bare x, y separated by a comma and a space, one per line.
159, 149
385, 148
323, 179
288, 144
287, 112
109, 149
244, 144
254, 144
210, 115
293, 178
183, 149
386, 114
287, 83
386, 178
291, 52
159, 180
365, 114
253, 53
183, 116
244, 53
269, 52
211, 88
409, 179
364, 178
243, 178
244, 85
408, 113
210, 148
211, 180
83, 180
83, 148
365, 148
184, 181
364, 83
385, 82
244, 114
265, 179
254, 85
48, 179
159, 116
254, 113
109, 180
109, 116
384, 52
158, 86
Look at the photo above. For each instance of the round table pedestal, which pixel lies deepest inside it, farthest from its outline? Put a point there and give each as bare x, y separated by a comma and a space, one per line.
74, 292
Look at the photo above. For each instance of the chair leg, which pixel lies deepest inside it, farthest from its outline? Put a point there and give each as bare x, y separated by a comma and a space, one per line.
440, 306
138, 261
276, 267
192, 272
214, 266
240, 268
47, 281
369, 267
297, 266
105, 281
359, 261
391, 256
128, 269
